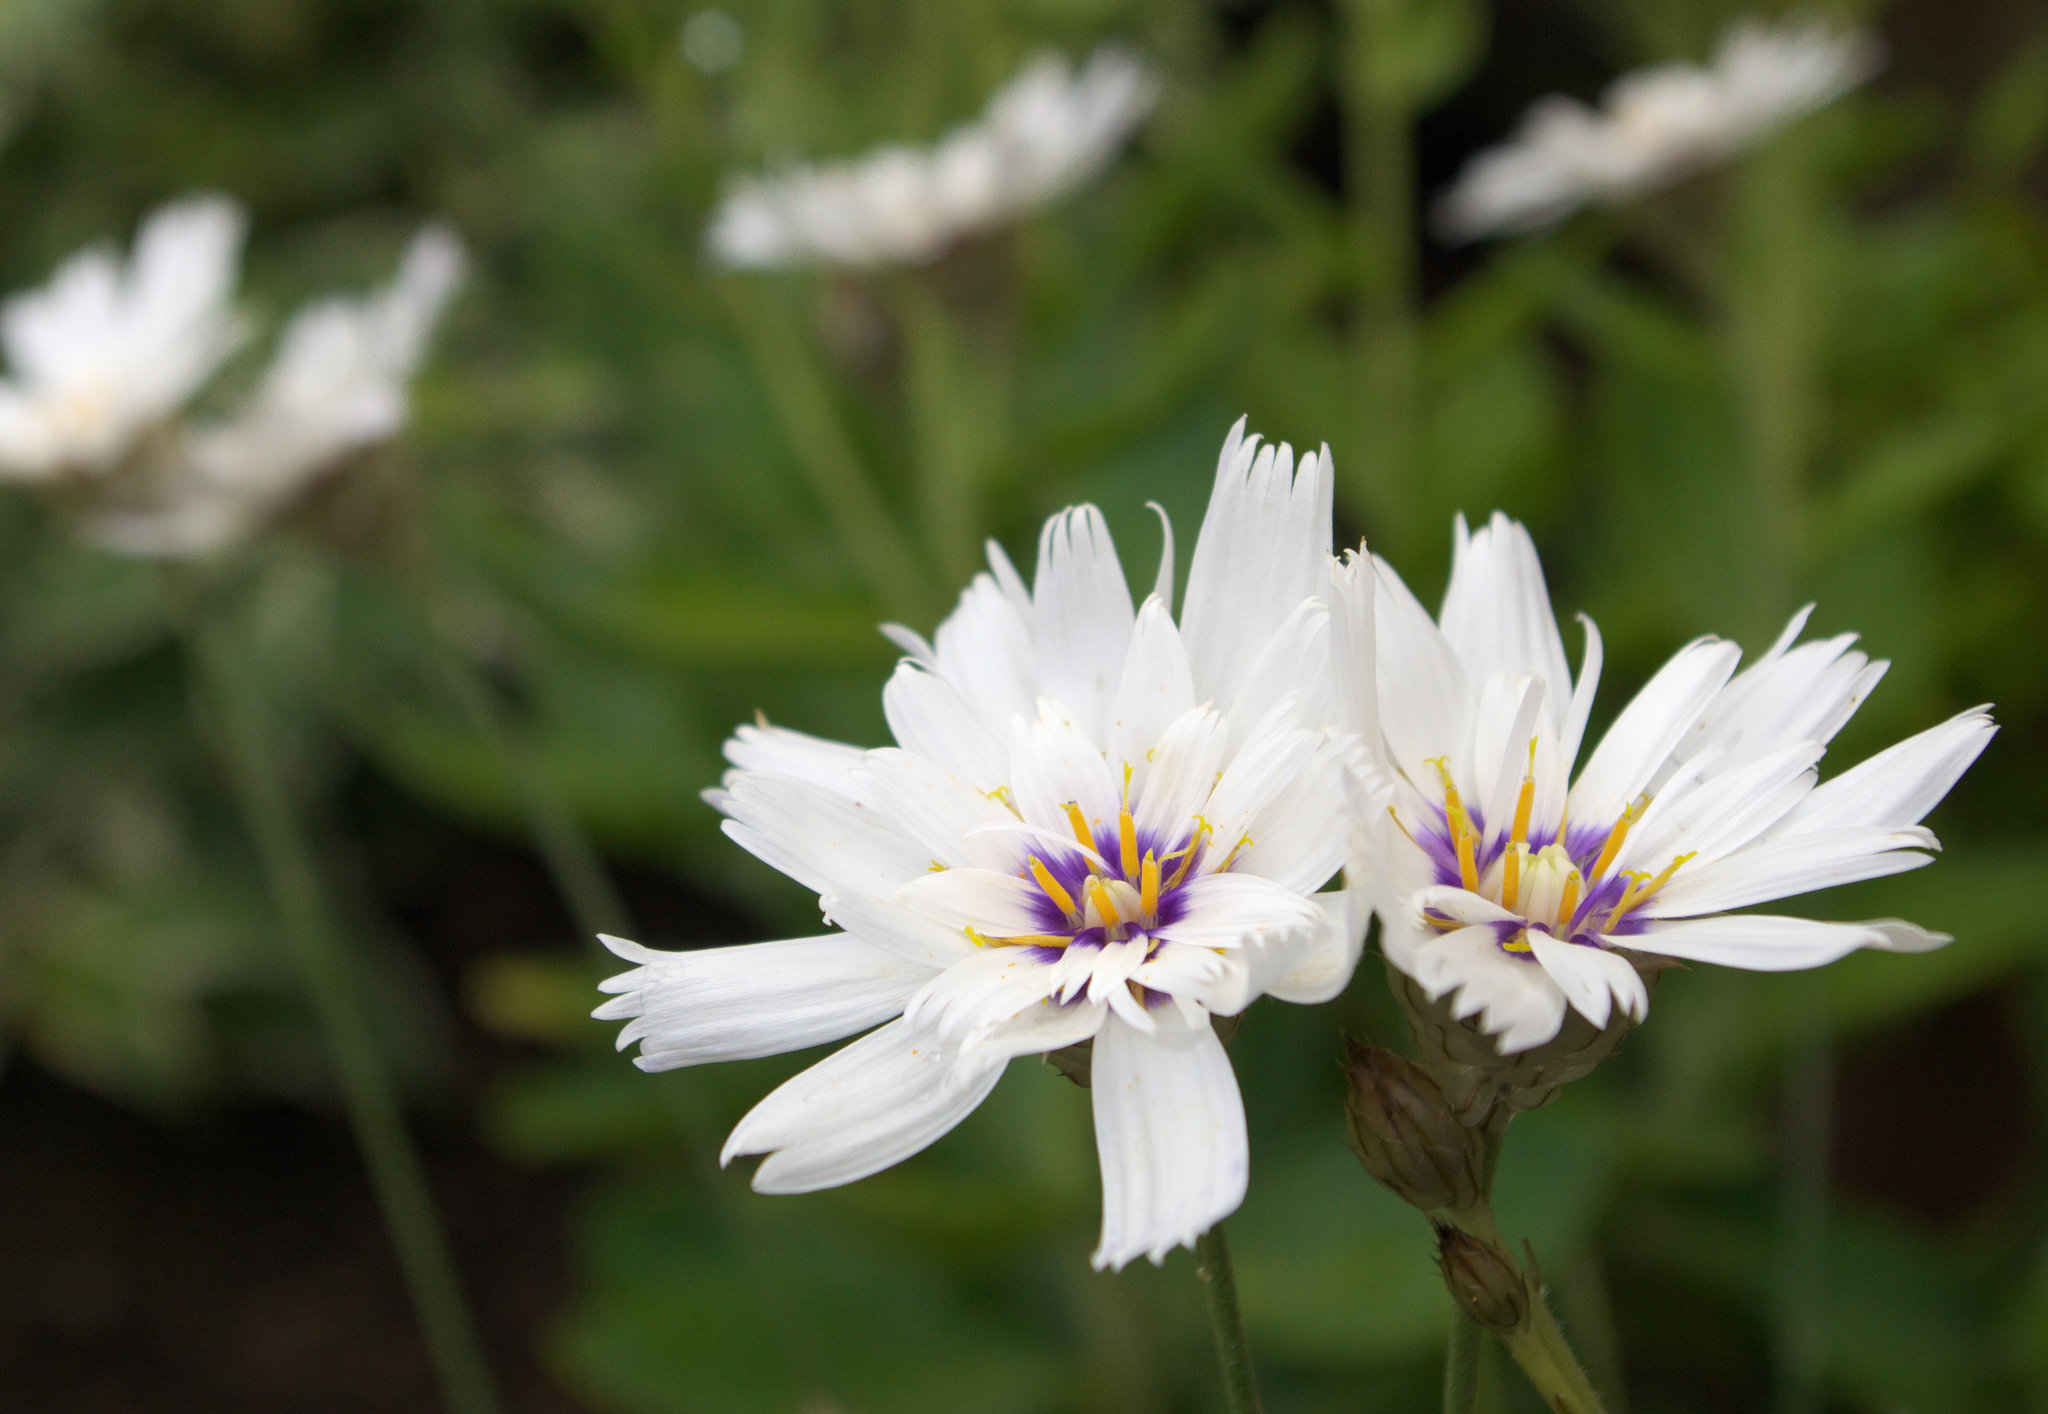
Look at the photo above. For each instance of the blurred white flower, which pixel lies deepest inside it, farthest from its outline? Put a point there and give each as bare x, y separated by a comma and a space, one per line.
1049, 131
1654, 127
1098, 823
713, 41
1512, 889
103, 353
336, 384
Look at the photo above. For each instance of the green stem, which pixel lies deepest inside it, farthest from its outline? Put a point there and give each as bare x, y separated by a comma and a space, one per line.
1800, 1334
867, 533
1461, 1365
1379, 137
240, 716
944, 405
1212, 1265
1540, 1348
572, 860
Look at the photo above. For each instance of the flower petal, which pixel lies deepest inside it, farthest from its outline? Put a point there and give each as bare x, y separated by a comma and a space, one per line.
1649, 728
1497, 612
986, 900
1169, 1128
1591, 978
937, 808
824, 841
1515, 999
1781, 868
1155, 690
859, 1110
928, 715
1900, 784
1234, 910
781, 752
1263, 548
759, 999
1081, 616
1760, 942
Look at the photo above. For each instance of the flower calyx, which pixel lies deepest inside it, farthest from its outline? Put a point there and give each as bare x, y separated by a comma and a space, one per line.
1488, 1284
1407, 1133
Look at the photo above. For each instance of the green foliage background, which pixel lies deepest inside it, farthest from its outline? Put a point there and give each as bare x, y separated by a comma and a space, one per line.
663, 497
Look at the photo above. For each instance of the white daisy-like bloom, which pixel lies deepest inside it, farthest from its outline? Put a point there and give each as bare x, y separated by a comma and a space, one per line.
1654, 127
337, 384
1050, 130
106, 351
1096, 824
1513, 889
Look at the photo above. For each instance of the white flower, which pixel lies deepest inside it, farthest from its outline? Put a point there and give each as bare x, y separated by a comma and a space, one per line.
1513, 889
337, 383
1049, 131
1095, 824
1654, 126
103, 353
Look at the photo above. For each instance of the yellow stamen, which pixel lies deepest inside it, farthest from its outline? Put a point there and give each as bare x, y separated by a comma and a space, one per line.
1569, 904
1042, 940
1464, 838
1524, 803
1186, 854
1148, 891
1127, 830
1518, 943
1511, 874
1401, 827
1630, 893
1616, 835
1002, 793
1079, 822
1054, 891
1127, 785
1242, 841
1112, 920
1664, 878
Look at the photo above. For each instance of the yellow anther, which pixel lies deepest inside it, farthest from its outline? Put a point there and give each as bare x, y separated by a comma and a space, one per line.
1104, 904
1054, 891
1518, 943
1569, 904
1079, 822
1242, 841
1002, 793
1127, 837
1524, 803
1616, 835
1127, 785
1468, 865
935, 867
1511, 876
1148, 890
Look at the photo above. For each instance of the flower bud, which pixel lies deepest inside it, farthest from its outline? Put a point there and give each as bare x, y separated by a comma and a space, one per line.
1406, 1134
1482, 1279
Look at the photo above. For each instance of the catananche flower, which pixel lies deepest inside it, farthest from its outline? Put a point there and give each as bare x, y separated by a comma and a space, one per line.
1095, 824
103, 353
1046, 133
336, 385
1512, 889
1653, 127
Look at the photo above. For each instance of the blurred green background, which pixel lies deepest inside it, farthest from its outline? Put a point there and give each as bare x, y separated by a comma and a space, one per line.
667, 496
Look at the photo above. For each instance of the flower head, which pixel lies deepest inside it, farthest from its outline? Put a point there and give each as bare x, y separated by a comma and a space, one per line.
336, 384
1096, 823
1046, 133
106, 351
1653, 127
1513, 889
